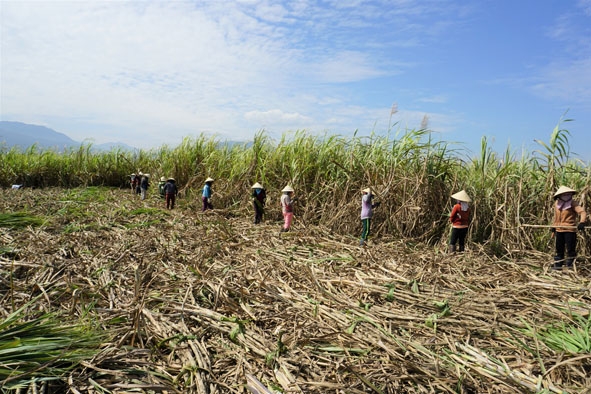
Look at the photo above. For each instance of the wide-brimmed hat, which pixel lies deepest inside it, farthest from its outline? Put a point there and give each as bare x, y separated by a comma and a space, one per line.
287, 189
256, 186
209, 180
461, 196
146, 175
367, 190
162, 179
171, 179
133, 174
562, 190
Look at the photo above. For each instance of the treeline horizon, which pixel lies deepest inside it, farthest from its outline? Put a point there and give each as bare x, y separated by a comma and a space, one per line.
413, 175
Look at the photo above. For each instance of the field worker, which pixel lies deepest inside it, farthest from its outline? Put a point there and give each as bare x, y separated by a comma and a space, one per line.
459, 218
287, 201
134, 180
564, 227
367, 207
138, 177
206, 194
259, 197
170, 192
144, 185
161, 186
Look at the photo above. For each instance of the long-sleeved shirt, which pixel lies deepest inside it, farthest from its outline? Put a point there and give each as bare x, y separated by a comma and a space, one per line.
259, 195
459, 218
568, 217
366, 206
206, 191
286, 203
170, 188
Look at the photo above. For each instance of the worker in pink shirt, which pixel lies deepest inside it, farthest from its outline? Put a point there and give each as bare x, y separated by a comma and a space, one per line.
287, 201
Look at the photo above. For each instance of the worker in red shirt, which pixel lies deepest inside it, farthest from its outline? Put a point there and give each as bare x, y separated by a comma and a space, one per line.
460, 219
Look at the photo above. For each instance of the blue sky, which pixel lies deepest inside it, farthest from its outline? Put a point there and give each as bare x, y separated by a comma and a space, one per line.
149, 73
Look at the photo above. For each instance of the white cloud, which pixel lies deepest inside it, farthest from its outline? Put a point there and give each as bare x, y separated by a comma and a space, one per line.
568, 76
570, 82
271, 12
346, 66
585, 5
437, 99
154, 71
275, 116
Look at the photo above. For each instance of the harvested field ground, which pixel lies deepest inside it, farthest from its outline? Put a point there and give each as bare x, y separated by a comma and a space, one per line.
196, 302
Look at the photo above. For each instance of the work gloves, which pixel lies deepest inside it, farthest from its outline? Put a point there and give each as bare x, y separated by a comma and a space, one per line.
580, 227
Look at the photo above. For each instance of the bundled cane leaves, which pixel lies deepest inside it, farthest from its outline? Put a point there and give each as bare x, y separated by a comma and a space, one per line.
42, 348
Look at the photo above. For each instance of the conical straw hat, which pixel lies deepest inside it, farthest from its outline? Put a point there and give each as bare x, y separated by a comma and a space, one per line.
462, 196
162, 179
367, 190
562, 190
209, 180
287, 189
256, 186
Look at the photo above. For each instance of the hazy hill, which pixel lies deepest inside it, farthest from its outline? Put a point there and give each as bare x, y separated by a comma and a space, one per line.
23, 135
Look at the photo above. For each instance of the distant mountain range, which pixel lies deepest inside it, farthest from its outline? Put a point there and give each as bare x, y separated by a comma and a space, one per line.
23, 135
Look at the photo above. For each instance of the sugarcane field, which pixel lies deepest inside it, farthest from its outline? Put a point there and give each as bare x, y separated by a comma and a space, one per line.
107, 290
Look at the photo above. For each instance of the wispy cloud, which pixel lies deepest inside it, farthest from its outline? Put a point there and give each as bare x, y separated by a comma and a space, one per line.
154, 72
437, 99
566, 81
568, 76
184, 65
277, 116
585, 5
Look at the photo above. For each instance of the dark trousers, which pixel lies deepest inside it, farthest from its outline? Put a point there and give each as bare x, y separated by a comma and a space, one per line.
458, 235
365, 228
258, 211
565, 241
206, 204
170, 200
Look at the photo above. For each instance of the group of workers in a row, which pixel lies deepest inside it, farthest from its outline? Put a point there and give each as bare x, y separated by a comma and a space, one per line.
569, 216
166, 187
